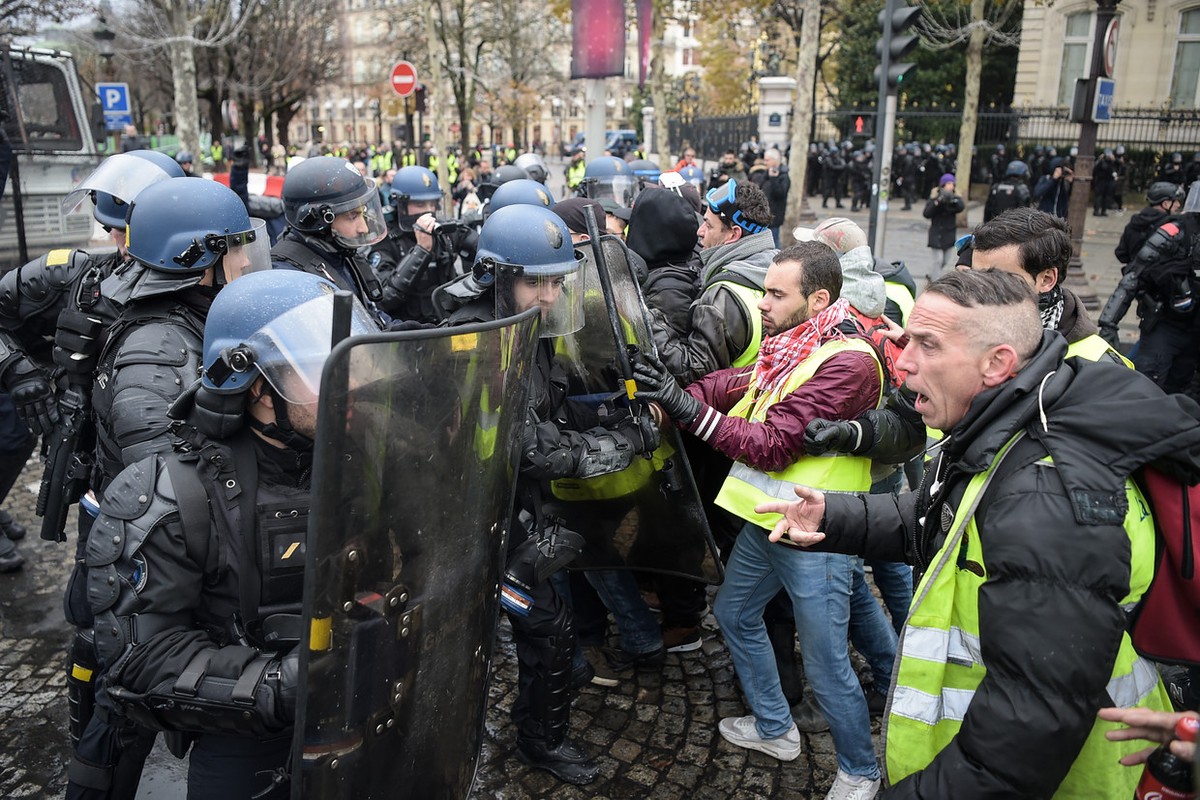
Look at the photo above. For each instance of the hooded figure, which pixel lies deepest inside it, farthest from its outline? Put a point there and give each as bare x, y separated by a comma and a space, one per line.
662, 230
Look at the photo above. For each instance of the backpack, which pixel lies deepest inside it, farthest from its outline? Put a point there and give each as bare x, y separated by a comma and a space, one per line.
1165, 626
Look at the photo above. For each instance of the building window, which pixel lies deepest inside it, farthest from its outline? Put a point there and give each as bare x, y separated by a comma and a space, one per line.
1077, 46
1185, 77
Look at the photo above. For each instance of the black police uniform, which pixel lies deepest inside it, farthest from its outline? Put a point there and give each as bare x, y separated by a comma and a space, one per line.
197, 630
345, 268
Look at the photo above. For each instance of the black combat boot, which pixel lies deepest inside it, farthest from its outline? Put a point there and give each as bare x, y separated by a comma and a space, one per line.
565, 760
10, 527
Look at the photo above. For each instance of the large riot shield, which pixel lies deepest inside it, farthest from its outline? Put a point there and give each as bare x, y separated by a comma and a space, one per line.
649, 516
413, 482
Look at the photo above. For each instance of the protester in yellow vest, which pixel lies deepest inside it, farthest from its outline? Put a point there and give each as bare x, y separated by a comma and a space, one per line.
1030, 543
814, 362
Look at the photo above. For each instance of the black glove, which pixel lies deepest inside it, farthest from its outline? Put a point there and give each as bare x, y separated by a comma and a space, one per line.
33, 396
657, 385
639, 429
1109, 334
832, 436
289, 680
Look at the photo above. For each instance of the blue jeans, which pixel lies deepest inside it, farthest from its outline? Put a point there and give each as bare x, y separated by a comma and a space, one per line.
819, 585
637, 628
894, 580
870, 632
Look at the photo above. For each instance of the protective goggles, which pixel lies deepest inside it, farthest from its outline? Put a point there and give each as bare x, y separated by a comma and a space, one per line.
722, 201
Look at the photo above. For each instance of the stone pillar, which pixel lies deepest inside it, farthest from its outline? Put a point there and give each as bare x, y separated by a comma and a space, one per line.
649, 120
775, 98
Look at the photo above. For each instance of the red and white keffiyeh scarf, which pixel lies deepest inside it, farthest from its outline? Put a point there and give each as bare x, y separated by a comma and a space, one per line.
780, 354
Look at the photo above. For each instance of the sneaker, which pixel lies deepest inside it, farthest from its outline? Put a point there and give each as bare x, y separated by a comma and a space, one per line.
602, 673
652, 601
742, 732
620, 661
808, 716
852, 787
681, 640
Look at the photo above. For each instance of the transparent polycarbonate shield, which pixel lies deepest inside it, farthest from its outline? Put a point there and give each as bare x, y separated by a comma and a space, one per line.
649, 516
413, 480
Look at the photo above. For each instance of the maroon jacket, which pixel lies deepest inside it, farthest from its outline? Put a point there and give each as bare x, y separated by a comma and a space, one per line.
843, 387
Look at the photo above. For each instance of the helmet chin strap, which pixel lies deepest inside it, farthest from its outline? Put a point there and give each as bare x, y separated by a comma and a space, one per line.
281, 429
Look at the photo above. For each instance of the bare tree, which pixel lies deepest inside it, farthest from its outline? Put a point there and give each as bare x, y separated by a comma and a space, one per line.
22, 17
521, 64
981, 22
459, 39
804, 19
179, 27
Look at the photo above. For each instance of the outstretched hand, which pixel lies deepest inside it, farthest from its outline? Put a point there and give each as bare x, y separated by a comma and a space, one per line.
1153, 726
801, 519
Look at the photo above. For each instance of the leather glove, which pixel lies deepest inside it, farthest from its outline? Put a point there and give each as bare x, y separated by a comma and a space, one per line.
33, 396
832, 436
640, 430
656, 384
1109, 334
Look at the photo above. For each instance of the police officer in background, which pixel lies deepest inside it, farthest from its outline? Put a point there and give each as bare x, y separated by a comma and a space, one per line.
1162, 278
526, 259
185, 640
1163, 200
332, 213
1012, 192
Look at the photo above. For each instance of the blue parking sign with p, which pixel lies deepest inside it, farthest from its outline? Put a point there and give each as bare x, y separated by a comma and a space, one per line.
114, 97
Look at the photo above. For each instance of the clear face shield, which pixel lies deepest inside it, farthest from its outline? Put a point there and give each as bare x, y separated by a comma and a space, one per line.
1192, 204
248, 251
558, 293
619, 188
358, 222
291, 351
122, 176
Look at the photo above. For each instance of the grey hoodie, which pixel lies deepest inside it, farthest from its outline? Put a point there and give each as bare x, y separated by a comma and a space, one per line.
862, 286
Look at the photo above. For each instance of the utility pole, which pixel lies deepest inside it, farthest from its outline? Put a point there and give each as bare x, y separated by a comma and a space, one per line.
896, 18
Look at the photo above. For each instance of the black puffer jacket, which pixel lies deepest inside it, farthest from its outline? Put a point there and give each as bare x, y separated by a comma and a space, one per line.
662, 230
1058, 559
1143, 223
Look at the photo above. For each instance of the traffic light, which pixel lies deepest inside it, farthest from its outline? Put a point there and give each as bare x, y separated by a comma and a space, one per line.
419, 99
895, 19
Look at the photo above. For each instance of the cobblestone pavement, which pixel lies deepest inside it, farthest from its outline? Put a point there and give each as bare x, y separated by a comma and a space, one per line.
654, 736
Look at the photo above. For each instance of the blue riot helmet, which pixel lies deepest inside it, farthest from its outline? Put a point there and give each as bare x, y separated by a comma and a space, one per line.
499, 177
646, 172
328, 198
1016, 169
118, 179
529, 253
609, 177
412, 185
277, 324
183, 226
522, 191
693, 175
533, 165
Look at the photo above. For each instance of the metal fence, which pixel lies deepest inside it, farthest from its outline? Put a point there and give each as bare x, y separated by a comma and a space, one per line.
711, 136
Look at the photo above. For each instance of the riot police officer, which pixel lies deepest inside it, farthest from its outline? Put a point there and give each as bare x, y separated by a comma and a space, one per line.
525, 260
332, 213
197, 635
1011, 192
420, 252
609, 178
534, 166
1162, 279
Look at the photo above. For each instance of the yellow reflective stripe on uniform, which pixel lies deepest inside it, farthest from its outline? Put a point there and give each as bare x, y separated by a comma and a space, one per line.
1135, 686
955, 646
930, 709
749, 299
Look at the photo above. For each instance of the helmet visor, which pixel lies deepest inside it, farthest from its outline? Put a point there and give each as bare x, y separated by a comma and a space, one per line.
618, 188
558, 294
291, 351
248, 251
121, 176
358, 222
1192, 204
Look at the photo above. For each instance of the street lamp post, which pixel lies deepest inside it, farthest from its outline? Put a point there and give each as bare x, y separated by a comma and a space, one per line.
104, 37
1085, 162
378, 112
